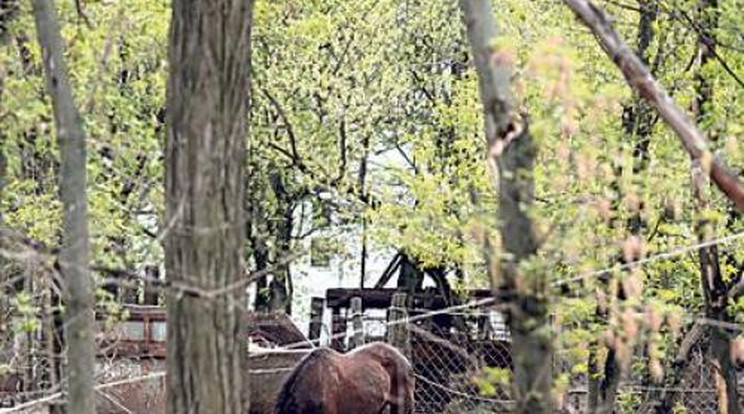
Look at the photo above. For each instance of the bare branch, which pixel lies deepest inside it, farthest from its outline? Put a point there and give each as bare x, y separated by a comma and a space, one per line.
342, 151
82, 15
287, 125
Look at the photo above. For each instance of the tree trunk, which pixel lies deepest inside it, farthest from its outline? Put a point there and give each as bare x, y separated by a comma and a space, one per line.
638, 122
3, 159
665, 397
257, 230
281, 284
79, 289
208, 102
602, 389
724, 372
6, 291
708, 22
280, 288
715, 293
715, 289
511, 151
362, 183
261, 261
410, 276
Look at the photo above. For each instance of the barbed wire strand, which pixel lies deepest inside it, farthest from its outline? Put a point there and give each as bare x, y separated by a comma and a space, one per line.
159, 374
659, 256
58, 395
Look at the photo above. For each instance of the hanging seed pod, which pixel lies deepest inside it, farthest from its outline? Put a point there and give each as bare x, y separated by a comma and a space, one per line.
674, 322
602, 303
633, 284
653, 319
655, 369
604, 207
623, 353
632, 201
609, 339
632, 247
630, 324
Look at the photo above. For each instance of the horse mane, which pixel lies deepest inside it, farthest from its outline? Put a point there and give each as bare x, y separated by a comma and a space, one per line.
285, 401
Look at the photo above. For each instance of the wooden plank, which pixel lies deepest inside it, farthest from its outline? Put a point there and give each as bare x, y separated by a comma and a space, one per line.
382, 298
357, 322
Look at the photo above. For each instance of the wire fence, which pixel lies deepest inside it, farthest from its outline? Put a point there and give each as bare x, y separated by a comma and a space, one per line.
448, 367
462, 363
455, 351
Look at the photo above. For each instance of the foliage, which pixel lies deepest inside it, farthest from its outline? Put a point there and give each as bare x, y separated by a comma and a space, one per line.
370, 110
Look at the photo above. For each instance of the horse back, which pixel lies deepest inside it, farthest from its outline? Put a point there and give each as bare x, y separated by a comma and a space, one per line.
398, 371
365, 386
310, 386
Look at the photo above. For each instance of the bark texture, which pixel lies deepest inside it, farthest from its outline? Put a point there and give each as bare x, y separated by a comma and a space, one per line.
73, 259
511, 151
208, 101
715, 293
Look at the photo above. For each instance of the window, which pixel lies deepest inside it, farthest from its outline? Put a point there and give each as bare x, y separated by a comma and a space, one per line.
133, 330
159, 331
321, 252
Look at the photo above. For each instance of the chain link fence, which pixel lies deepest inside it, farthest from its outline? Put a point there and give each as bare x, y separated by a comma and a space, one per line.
462, 363
455, 355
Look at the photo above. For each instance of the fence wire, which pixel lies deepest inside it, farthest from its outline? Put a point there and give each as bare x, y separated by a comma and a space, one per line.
455, 352
448, 367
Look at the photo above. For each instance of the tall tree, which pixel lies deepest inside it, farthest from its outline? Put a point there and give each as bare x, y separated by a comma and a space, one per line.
512, 151
704, 166
714, 286
638, 123
207, 106
73, 260
641, 80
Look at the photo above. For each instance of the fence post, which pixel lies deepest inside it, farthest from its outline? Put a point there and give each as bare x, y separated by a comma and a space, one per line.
338, 330
316, 318
357, 322
152, 274
397, 331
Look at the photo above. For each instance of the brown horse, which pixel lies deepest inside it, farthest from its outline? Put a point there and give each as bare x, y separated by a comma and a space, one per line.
364, 381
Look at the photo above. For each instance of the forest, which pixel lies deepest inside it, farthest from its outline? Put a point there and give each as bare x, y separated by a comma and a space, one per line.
495, 206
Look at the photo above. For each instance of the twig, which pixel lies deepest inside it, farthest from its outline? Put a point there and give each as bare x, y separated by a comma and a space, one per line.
82, 15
